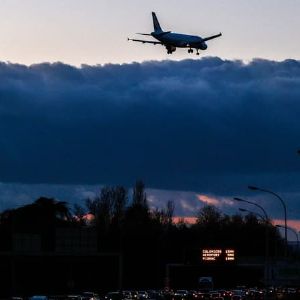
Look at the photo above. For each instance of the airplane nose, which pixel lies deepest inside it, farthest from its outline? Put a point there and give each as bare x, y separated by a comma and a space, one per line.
203, 46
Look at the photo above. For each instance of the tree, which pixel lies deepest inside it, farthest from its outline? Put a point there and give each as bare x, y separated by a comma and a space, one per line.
138, 214
120, 199
170, 212
79, 214
139, 197
108, 207
208, 215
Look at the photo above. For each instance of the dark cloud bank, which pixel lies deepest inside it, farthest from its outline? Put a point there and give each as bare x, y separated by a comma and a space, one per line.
206, 125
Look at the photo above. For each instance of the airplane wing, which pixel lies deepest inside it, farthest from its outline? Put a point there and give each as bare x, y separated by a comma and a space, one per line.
146, 42
212, 37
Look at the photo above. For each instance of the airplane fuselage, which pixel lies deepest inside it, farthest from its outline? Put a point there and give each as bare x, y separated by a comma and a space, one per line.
179, 40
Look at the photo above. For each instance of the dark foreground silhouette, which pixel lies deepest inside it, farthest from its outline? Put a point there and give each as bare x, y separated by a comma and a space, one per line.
113, 242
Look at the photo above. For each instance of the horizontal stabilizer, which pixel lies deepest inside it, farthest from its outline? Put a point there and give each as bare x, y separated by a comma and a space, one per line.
143, 33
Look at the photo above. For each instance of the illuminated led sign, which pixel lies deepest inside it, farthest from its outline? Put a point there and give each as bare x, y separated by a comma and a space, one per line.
214, 255
229, 254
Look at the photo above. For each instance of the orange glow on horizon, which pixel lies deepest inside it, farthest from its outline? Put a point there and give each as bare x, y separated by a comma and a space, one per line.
294, 224
187, 220
89, 217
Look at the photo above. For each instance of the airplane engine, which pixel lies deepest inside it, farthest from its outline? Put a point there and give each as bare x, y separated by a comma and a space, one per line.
170, 49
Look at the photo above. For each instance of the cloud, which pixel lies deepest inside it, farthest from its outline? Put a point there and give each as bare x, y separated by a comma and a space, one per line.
226, 204
187, 204
209, 125
209, 200
14, 195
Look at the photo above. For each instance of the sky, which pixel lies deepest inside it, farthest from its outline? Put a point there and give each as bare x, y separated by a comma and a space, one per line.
95, 31
81, 107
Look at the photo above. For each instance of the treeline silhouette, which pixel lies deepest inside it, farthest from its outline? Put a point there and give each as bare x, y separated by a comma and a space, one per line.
148, 239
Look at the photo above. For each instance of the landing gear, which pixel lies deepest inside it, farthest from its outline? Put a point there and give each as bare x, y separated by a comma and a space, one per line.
192, 51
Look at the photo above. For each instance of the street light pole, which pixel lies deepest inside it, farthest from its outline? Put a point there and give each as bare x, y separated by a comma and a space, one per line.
266, 219
291, 229
254, 188
294, 231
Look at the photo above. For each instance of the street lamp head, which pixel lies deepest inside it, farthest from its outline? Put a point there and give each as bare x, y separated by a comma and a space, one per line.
238, 199
253, 188
243, 210
279, 226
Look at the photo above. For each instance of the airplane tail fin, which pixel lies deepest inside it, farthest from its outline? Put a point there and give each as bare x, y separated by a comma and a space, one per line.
156, 25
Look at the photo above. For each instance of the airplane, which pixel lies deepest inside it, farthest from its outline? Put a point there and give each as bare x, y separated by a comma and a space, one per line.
175, 40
